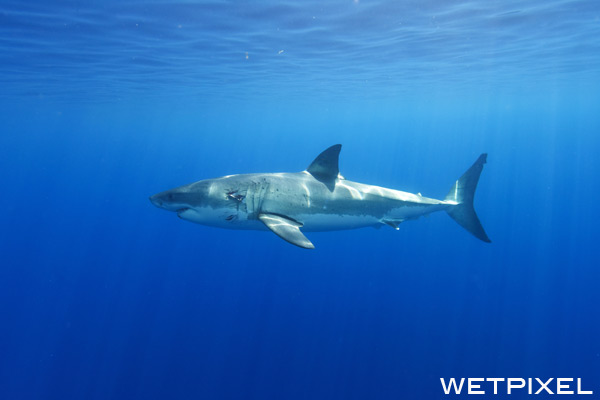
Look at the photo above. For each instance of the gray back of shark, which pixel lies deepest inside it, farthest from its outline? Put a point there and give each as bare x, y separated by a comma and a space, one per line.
317, 199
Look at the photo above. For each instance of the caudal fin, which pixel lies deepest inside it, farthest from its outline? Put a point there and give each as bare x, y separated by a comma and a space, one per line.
463, 193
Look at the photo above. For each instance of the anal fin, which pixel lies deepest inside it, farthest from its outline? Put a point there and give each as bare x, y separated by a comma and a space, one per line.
394, 223
287, 229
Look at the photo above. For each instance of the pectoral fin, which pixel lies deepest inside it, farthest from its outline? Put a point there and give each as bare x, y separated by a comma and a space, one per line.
287, 229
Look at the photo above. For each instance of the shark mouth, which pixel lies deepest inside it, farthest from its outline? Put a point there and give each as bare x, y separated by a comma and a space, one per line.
181, 211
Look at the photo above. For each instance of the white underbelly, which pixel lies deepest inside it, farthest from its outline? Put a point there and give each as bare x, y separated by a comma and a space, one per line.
333, 222
220, 218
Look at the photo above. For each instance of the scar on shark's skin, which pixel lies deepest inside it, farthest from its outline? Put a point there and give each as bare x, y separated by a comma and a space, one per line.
233, 194
316, 199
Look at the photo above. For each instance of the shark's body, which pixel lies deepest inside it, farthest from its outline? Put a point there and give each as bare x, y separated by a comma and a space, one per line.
317, 199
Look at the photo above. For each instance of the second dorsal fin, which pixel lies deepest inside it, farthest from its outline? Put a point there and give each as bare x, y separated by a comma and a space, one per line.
325, 168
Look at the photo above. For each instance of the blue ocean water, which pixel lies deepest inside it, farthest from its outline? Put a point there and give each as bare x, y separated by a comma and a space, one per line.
103, 296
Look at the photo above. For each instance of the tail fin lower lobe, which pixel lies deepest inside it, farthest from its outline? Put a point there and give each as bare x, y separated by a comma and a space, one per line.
463, 193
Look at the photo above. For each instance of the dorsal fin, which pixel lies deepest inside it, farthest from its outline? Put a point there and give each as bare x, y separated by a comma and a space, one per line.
325, 168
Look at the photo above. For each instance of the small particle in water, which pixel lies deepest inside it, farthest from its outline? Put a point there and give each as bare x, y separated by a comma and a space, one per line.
247, 55
280, 51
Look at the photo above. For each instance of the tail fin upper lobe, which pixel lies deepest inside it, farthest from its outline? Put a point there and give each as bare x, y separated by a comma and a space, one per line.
463, 193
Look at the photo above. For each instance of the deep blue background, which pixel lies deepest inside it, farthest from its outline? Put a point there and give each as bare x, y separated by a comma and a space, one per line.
104, 296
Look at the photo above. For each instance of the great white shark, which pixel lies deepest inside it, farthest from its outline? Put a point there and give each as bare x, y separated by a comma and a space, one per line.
316, 199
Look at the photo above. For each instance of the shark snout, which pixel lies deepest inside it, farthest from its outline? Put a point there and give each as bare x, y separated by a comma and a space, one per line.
156, 200
170, 200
